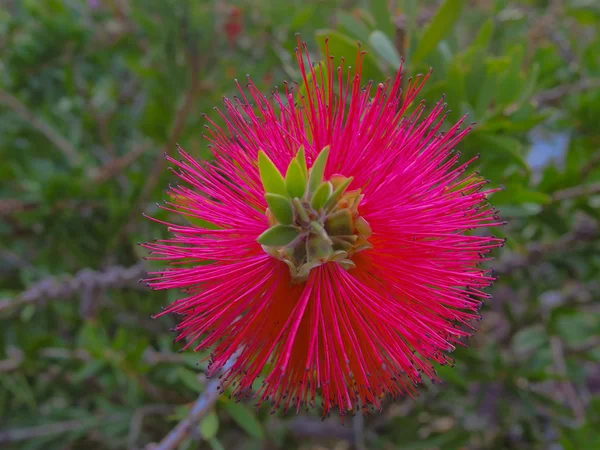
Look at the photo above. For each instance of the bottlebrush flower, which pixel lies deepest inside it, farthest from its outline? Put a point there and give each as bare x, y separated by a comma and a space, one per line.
328, 247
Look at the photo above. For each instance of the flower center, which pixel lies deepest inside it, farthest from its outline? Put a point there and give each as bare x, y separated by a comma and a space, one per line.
312, 221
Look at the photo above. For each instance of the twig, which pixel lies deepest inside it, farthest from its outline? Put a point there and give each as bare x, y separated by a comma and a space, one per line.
86, 279
577, 191
178, 126
570, 393
358, 427
59, 141
592, 164
585, 231
559, 92
22, 434
114, 167
591, 344
14, 360
16, 357
137, 421
303, 426
200, 408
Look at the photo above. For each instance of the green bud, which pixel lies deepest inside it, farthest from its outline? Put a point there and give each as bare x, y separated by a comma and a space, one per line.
321, 195
339, 191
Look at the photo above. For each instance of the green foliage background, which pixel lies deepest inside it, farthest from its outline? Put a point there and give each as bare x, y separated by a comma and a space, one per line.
92, 93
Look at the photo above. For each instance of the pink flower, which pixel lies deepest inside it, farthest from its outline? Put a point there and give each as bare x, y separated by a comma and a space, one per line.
328, 247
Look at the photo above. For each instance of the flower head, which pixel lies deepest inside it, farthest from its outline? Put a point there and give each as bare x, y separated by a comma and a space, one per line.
328, 249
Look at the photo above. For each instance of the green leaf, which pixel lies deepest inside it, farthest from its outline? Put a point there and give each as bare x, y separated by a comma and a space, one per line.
190, 379
485, 34
321, 195
295, 183
245, 418
318, 170
507, 146
301, 157
382, 45
339, 191
278, 236
271, 178
344, 46
438, 28
281, 207
353, 26
383, 17
209, 426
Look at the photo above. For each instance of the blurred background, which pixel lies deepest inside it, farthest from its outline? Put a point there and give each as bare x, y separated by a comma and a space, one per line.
94, 92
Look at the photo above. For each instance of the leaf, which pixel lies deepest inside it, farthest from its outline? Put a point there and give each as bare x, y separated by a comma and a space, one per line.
190, 379
295, 183
301, 157
353, 26
342, 46
245, 418
485, 34
507, 146
382, 45
383, 17
441, 24
281, 207
278, 236
270, 176
321, 195
517, 194
529, 339
209, 426
318, 170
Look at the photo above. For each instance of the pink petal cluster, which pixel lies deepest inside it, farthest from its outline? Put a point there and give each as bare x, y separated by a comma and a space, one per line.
343, 338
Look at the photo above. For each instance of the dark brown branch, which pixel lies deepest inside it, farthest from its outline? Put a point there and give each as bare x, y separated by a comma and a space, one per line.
566, 386
16, 357
584, 231
160, 162
85, 280
302, 427
559, 92
50, 429
116, 166
582, 190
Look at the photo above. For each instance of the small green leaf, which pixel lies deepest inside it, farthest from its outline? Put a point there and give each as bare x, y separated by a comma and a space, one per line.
318, 170
438, 28
278, 236
383, 16
382, 45
295, 183
343, 46
190, 379
321, 195
245, 418
485, 34
339, 191
301, 158
209, 426
281, 207
271, 178
353, 26
339, 223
